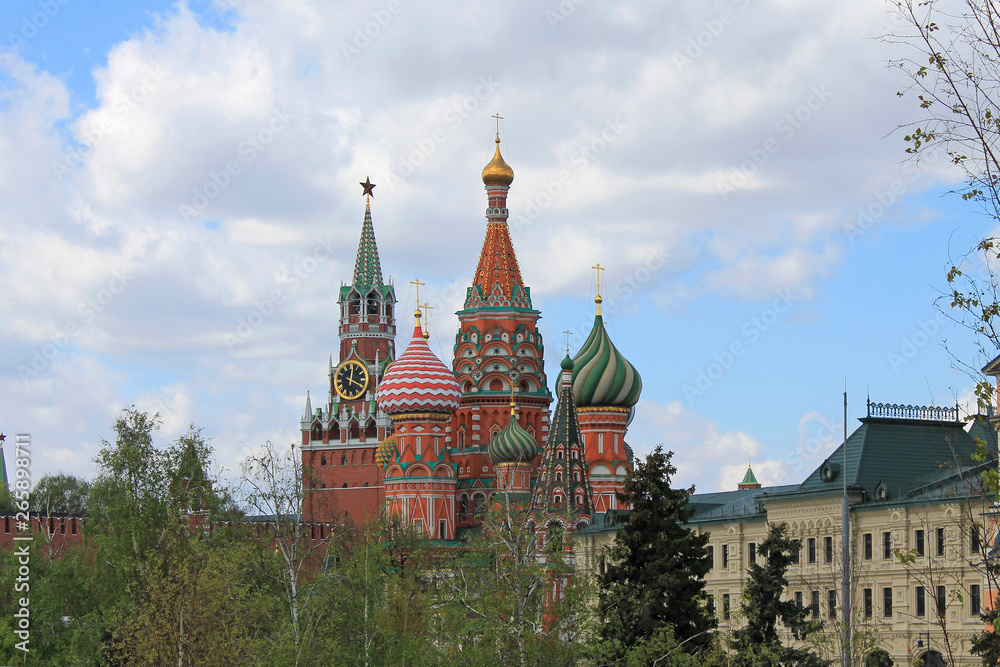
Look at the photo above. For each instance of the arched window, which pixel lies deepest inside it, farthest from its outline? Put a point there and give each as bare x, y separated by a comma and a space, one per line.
371, 431
559, 453
557, 499
576, 475
317, 432
579, 500
366, 483
343, 460
345, 485
322, 459
558, 476
461, 439
575, 454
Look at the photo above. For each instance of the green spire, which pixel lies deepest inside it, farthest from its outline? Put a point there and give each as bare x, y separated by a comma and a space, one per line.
367, 269
749, 477
3, 464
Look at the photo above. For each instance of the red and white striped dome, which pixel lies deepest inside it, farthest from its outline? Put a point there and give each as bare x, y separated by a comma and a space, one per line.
418, 382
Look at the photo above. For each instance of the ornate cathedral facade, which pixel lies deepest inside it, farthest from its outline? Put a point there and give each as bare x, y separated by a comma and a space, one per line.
405, 434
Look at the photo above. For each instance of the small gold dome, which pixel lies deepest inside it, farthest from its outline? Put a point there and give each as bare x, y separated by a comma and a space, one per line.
498, 172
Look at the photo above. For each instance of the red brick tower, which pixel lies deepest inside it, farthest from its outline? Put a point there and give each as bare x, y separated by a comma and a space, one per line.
339, 438
498, 345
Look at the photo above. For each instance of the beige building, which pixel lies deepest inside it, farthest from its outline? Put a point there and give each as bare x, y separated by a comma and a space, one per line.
913, 483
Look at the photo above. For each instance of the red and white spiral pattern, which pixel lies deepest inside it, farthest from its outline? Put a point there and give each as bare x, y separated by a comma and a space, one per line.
418, 382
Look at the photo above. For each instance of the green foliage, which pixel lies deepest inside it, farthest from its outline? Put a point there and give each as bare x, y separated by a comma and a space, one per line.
758, 643
656, 579
60, 494
986, 644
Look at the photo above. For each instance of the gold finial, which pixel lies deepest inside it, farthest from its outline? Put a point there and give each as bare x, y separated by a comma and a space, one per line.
598, 300
512, 403
416, 313
568, 334
425, 307
498, 118
498, 172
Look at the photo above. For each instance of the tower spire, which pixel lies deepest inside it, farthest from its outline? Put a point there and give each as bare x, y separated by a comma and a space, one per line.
367, 268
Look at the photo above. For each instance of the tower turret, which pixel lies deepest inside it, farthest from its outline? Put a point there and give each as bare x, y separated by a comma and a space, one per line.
420, 394
498, 347
606, 387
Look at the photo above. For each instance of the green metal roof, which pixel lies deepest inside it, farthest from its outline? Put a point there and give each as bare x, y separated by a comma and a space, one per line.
749, 477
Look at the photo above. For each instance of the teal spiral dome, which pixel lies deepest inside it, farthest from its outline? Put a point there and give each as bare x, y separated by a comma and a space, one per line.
513, 444
601, 375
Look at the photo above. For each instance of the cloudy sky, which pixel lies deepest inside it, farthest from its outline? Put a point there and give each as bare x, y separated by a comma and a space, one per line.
179, 203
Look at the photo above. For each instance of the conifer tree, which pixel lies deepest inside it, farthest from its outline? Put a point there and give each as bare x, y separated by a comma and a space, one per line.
762, 607
658, 565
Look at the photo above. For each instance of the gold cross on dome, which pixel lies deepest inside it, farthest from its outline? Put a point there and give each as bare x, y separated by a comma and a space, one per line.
598, 268
498, 118
418, 284
568, 334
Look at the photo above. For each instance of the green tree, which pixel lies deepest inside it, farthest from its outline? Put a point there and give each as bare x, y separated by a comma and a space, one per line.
273, 490
658, 565
60, 494
497, 593
762, 608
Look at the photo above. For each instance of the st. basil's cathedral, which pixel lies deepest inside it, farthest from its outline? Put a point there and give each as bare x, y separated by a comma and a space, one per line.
407, 435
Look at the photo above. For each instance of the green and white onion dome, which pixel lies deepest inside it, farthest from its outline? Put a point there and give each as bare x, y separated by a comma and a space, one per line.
513, 444
601, 375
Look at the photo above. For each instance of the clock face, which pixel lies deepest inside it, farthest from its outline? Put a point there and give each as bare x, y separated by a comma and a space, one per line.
351, 379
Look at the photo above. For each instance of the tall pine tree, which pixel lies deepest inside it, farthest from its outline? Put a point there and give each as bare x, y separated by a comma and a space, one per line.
762, 607
656, 578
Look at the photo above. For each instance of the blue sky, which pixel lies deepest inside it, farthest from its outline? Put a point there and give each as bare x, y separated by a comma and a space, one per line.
714, 157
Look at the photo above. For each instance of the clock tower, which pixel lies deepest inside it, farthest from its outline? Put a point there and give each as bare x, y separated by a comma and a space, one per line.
339, 438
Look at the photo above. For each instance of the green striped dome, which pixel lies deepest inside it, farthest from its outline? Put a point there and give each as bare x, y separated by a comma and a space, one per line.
601, 375
513, 444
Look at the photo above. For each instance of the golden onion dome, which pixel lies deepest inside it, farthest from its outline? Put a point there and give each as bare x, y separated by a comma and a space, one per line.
498, 172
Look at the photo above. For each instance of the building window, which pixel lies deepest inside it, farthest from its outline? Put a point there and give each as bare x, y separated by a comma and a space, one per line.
974, 600
868, 602
322, 460
828, 549
798, 599
711, 603
831, 603
939, 534
814, 604
442, 527
811, 549
557, 499
918, 539
796, 553
725, 556
711, 555
942, 600
600, 443
887, 603
419, 451
974, 545
921, 602
343, 460
752, 552
725, 606
886, 545
868, 546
